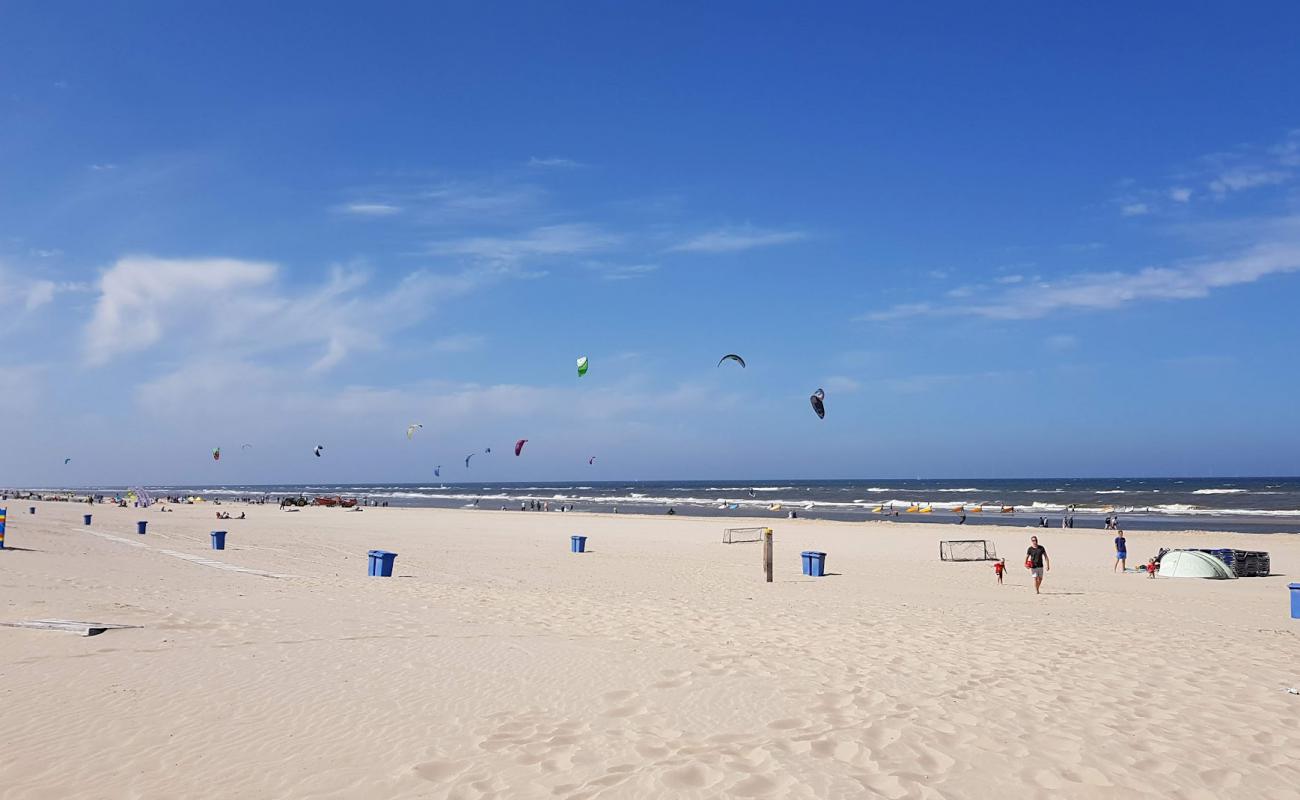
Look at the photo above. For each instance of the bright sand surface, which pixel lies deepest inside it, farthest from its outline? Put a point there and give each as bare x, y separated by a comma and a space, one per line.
498, 664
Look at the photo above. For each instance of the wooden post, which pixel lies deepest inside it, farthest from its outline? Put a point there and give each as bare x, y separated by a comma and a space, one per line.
767, 553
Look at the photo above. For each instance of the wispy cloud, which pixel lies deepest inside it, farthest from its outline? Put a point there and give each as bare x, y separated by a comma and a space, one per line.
1217, 176
731, 240
1239, 178
370, 209
25, 293
621, 272
841, 384
553, 161
1060, 342
1096, 291
540, 242
102, 167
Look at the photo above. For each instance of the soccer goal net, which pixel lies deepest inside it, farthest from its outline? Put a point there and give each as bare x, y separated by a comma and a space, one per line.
967, 550
735, 535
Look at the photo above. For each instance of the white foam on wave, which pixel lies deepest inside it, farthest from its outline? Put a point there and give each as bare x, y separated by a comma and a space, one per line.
1111, 491
1220, 491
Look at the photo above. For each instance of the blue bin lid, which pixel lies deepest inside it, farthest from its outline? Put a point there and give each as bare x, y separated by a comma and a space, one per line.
1294, 586
381, 553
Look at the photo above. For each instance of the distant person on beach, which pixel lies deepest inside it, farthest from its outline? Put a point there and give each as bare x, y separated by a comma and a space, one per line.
1037, 561
999, 568
962, 521
1151, 568
1121, 553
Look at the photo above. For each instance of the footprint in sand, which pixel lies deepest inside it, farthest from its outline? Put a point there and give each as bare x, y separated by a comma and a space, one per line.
438, 769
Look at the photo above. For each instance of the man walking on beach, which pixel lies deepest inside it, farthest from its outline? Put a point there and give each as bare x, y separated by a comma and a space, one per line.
1036, 559
1121, 553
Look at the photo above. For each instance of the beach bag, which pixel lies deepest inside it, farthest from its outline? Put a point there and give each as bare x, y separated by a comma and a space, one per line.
1029, 563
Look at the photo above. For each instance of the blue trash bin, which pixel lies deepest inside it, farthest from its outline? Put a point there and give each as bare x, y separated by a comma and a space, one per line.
805, 559
218, 540
577, 544
1295, 600
31, 509
816, 564
140, 526
381, 563
86, 519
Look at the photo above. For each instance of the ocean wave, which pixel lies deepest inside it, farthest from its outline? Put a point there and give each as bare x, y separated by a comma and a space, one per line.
1221, 491
1111, 491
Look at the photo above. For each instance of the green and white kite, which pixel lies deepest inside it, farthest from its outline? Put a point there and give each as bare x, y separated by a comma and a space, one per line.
582, 366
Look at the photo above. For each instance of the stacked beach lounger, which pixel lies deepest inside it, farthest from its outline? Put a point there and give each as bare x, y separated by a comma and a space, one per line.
1244, 563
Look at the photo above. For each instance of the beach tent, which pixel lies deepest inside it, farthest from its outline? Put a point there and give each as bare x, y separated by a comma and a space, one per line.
1193, 564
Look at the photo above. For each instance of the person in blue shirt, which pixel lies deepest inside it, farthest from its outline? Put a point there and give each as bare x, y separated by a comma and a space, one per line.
1121, 553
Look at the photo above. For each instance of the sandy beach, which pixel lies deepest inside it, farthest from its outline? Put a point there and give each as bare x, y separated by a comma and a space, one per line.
495, 663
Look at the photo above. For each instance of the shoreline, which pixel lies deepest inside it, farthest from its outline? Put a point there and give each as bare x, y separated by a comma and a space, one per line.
659, 663
1020, 519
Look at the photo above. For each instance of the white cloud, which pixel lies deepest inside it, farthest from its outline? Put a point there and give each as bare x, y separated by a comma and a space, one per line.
1093, 291
102, 167
731, 240
138, 296
1180, 194
1011, 279
44, 253
622, 272
475, 200
237, 308
541, 242
1287, 152
1135, 209
370, 209
552, 162
32, 293
1240, 178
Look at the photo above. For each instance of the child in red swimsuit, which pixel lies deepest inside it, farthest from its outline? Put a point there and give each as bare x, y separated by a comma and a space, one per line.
1151, 568
999, 568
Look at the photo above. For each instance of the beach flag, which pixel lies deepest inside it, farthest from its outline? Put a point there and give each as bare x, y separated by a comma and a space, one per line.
2, 527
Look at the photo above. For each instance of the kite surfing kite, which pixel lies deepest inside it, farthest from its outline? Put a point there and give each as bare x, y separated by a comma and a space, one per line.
582, 366
244, 446
818, 406
519, 446
65, 461
411, 429
732, 357
437, 471
591, 461
467, 458
487, 450
216, 454
319, 448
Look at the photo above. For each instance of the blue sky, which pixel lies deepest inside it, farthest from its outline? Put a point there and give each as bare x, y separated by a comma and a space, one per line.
1007, 241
